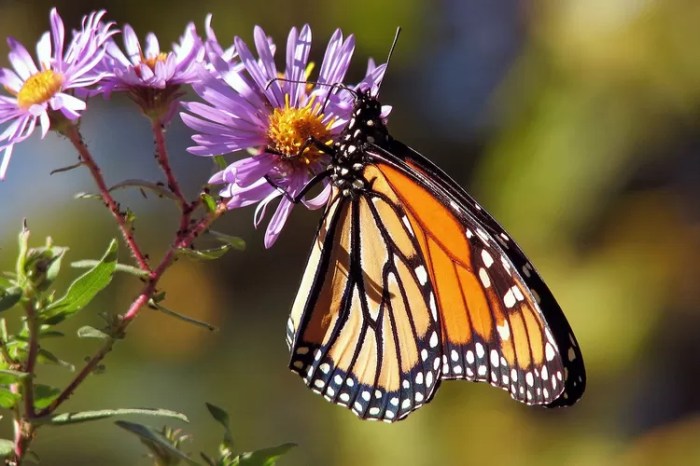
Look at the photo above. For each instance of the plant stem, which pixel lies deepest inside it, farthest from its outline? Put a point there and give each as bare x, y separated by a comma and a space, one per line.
120, 330
162, 157
74, 136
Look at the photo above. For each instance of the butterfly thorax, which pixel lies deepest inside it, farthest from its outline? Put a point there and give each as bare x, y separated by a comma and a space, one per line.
365, 129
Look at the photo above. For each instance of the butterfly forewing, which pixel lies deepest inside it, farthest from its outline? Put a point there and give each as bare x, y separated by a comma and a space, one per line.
489, 235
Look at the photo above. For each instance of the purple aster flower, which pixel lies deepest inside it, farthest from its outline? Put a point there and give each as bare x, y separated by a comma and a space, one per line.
152, 77
45, 93
249, 107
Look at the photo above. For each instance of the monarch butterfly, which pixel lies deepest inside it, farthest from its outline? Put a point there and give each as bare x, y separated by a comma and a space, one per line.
410, 282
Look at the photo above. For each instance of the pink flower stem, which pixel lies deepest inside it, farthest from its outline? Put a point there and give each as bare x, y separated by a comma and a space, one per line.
74, 136
162, 157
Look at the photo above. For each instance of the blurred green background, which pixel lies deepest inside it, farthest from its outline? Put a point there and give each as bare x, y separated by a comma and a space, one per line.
575, 123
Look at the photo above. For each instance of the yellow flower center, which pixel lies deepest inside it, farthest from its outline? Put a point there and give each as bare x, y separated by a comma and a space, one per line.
291, 131
151, 61
39, 88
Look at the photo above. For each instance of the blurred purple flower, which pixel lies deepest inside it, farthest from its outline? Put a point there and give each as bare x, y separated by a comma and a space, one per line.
249, 107
152, 77
44, 93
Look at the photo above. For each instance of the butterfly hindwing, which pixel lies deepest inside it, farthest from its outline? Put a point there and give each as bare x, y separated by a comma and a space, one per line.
362, 330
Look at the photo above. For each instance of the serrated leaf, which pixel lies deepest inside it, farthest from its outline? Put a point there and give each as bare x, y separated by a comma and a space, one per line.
88, 263
236, 242
91, 332
9, 297
44, 395
177, 315
84, 288
263, 457
158, 189
222, 417
86, 416
8, 400
7, 448
156, 442
204, 254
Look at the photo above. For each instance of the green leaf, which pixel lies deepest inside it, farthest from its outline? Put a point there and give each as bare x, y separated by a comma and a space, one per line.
8, 400
157, 443
88, 263
177, 315
47, 357
9, 297
208, 201
65, 169
204, 254
86, 416
44, 395
84, 288
263, 457
158, 188
8, 376
46, 333
91, 332
235, 241
23, 248
7, 448
88, 196
222, 418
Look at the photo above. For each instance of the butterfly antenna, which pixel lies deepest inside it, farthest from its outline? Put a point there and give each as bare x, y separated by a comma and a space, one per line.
388, 58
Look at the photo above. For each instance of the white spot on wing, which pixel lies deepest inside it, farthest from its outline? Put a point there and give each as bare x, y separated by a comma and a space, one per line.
486, 257
503, 330
433, 340
509, 299
549, 351
484, 277
422, 275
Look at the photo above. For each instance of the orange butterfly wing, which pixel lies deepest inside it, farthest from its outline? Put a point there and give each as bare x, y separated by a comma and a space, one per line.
491, 326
